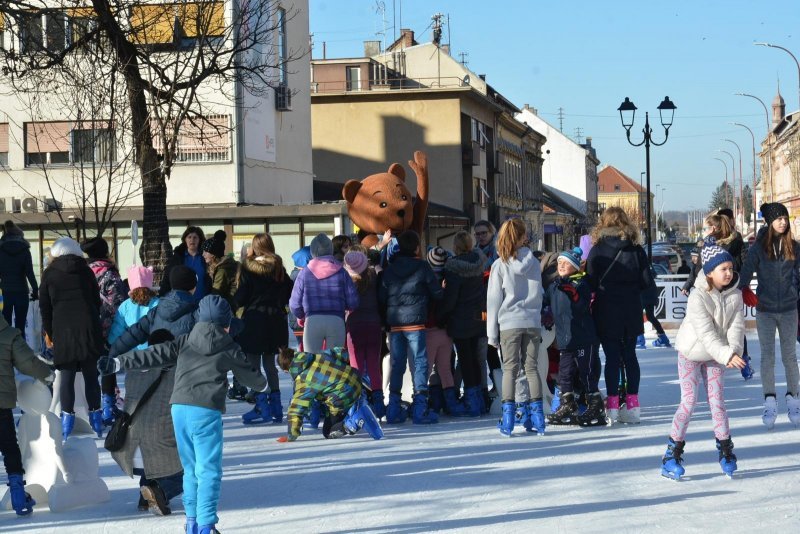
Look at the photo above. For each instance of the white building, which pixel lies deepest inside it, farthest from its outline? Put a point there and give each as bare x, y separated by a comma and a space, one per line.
569, 167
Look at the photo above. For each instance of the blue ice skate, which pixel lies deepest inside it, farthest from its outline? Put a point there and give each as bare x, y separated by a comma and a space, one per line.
21, 501
640, 342
671, 462
522, 416
662, 341
506, 422
727, 460
536, 411
360, 416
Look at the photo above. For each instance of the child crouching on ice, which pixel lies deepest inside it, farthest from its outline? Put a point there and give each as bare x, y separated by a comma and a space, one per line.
203, 359
328, 378
709, 339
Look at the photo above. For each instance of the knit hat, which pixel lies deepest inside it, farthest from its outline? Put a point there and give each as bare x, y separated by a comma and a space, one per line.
712, 255
436, 257
216, 245
695, 251
355, 262
9, 228
772, 211
573, 257
139, 276
182, 278
302, 257
321, 246
214, 309
64, 246
95, 248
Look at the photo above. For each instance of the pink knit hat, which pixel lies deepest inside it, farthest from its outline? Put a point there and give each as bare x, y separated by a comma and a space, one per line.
139, 276
355, 262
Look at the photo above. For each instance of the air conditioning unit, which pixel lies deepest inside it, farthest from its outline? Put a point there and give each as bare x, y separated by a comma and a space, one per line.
283, 98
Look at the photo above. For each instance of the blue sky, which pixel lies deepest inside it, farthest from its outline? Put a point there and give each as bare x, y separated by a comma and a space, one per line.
586, 56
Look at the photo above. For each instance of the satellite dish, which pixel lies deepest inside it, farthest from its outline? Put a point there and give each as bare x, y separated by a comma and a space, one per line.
466, 79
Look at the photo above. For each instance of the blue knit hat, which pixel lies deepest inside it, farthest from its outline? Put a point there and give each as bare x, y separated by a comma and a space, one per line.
712, 255
573, 257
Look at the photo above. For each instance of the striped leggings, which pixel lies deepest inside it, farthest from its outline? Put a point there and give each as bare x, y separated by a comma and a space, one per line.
691, 374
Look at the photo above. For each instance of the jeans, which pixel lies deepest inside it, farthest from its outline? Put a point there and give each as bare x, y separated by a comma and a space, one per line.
198, 432
617, 350
9, 448
172, 485
786, 325
399, 344
16, 303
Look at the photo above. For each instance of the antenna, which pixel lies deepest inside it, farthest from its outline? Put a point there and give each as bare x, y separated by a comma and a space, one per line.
578, 134
561, 120
463, 56
380, 8
437, 28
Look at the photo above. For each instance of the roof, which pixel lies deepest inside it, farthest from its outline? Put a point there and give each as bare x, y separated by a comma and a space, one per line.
610, 177
552, 200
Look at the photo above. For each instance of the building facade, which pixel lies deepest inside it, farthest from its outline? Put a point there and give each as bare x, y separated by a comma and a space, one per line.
615, 188
780, 160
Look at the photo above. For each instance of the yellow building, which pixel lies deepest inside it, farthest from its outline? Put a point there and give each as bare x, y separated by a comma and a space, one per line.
617, 189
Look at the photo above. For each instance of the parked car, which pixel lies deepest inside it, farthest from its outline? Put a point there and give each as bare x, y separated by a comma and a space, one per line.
660, 269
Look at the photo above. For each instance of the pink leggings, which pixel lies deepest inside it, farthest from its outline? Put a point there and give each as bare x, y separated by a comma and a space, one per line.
440, 351
364, 347
691, 374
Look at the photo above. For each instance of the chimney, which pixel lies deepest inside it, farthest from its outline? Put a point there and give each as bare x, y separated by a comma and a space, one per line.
372, 48
527, 107
482, 77
406, 37
588, 143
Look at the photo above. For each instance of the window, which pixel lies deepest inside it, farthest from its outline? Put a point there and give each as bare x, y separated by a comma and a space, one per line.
353, 78
2, 31
616, 187
80, 23
38, 32
200, 141
47, 143
4, 145
31, 38
163, 24
282, 52
93, 145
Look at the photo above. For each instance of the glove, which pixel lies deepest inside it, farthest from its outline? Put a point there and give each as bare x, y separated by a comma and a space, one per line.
747, 371
34, 294
285, 439
108, 366
749, 298
570, 291
547, 318
301, 323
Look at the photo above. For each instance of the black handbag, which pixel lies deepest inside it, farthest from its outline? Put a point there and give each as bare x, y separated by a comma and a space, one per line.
115, 439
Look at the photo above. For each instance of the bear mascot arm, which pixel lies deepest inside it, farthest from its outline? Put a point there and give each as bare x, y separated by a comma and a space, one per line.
382, 202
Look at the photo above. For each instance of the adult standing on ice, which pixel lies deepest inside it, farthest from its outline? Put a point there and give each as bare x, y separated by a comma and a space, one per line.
775, 258
618, 271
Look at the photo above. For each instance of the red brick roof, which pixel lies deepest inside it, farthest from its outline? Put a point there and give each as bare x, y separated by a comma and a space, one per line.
610, 177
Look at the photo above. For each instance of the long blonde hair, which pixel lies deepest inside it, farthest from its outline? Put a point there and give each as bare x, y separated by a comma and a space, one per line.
614, 221
510, 238
722, 225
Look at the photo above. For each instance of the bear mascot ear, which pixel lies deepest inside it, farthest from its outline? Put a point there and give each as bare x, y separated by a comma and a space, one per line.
350, 190
398, 170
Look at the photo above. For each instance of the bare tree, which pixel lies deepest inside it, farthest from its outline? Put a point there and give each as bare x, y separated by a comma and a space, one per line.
178, 63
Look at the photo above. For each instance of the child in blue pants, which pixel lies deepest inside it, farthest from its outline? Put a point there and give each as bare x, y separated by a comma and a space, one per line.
203, 359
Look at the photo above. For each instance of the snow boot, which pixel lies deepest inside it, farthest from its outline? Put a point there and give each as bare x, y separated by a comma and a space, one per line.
360, 416
436, 400
567, 413
640, 342
207, 529
506, 422
536, 411
108, 405
630, 412
191, 526
793, 407
452, 406
396, 413
747, 371
522, 416
612, 409
673, 458
472, 401
96, 421
770, 412
662, 341
376, 403
595, 414
67, 424
727, 460
21, 502
556, 402
157, 502
275, 407
420, 413
260, 412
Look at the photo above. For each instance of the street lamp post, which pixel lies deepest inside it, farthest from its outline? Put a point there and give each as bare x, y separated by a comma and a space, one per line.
741, 187
733, 174
627, 114
769, 143
726, 178
753, 192
793, 57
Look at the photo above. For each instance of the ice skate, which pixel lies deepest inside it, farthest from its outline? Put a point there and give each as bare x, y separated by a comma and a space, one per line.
662, 341
727, 460
567, 413
506, 422
770, 412
673, 458
612, 409
21, 501
640, 342
536, 411
522, 416
793, 407
630, 412
595, 414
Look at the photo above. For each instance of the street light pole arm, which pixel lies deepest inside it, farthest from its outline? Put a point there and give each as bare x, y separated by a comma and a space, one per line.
793, 57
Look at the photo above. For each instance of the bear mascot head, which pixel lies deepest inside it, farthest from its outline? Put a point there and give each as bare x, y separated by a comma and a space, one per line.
382, 201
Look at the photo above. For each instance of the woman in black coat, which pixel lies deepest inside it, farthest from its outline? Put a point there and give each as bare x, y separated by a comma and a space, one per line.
263, 294
69, 299
16, 271
618, 271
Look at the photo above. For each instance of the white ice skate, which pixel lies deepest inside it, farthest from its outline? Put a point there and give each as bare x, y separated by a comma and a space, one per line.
770, 412
793, 407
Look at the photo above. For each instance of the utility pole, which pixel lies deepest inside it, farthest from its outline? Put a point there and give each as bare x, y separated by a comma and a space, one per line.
561, 120
578, 134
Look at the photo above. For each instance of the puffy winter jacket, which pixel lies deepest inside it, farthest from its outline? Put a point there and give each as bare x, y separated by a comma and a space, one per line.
405, 289
514, 296
714, 325
573, 320
262, 295
203, 357
463, 307
128, 314
16, 265
777, 279
225, 280
112, 291
176, 312
323, 288
14, 352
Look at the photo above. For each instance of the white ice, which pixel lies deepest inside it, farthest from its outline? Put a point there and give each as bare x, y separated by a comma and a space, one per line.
462, 476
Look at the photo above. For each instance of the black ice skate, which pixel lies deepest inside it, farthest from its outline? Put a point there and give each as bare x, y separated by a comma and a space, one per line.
567, 413
595, 414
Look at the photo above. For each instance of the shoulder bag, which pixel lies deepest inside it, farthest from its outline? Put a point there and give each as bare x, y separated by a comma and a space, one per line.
118, 434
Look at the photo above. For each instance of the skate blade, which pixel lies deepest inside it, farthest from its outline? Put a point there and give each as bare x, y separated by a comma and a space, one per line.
593, 422
670, 476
